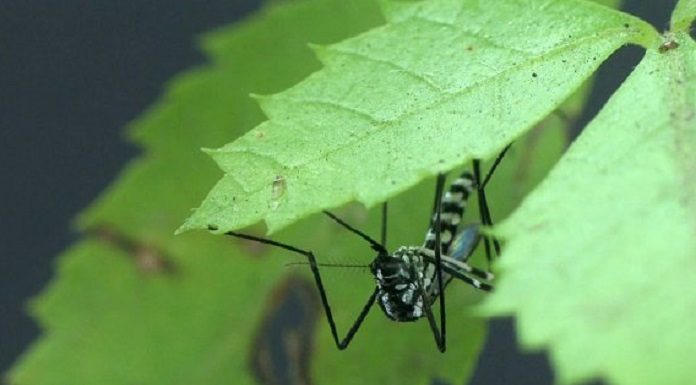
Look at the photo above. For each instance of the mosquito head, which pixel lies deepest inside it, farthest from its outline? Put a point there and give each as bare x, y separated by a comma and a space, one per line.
389, 269
382, 257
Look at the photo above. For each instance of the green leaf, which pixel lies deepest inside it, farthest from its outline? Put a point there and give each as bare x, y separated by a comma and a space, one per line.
600, 259
609, 3
136, 304
132, 303
443, 82
683, 15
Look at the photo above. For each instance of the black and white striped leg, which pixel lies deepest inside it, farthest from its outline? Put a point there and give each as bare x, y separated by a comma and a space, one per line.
469, 269
341, 343
469, 280
450, 264
461, 270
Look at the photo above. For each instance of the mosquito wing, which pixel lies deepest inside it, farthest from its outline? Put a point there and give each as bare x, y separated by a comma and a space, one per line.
465, 243
455, 263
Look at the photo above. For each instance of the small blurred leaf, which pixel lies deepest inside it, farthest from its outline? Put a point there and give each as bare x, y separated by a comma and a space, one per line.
683, 15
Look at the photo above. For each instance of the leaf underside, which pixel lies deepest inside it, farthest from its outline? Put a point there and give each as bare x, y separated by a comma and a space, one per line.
443, 82
600, 259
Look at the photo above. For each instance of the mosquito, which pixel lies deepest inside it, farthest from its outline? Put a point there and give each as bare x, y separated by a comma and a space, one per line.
412, 278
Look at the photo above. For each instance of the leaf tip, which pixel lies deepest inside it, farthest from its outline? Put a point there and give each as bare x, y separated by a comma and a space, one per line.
256, 96
317, 47
195, 223
182, 229
261, 99
320, 51
191, 223
210, 151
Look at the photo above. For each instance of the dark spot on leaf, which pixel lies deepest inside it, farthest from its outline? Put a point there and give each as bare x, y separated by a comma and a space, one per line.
213, 227
470, 48
150, 262
281, 350
692, 30
668, 45
626, 25
147, 258
534, 74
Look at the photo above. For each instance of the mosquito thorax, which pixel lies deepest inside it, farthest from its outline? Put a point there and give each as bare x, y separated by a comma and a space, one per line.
398, 277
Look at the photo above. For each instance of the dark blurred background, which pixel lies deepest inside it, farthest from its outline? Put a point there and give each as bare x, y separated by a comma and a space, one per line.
74, 72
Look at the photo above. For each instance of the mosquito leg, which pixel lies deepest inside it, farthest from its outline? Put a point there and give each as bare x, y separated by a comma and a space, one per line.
340, 343
426, 306
477, 272
453, 264
438, 334
441, 341
358, 321
494, 166
483, 211
384, 225
468, 280
482, 194
374, 244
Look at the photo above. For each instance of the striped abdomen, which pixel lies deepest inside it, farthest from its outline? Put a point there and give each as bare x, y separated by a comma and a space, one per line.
451, 211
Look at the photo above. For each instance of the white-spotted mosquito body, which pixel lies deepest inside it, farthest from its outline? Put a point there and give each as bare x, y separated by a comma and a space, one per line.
411, 279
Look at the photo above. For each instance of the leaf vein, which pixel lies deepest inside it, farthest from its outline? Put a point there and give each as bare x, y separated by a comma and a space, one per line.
335, 104
528, 62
